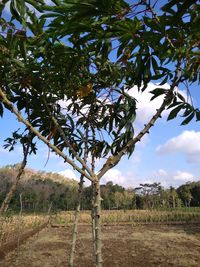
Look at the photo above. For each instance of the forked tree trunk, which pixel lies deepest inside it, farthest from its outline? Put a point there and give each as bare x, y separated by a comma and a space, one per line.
97, 220
6, 202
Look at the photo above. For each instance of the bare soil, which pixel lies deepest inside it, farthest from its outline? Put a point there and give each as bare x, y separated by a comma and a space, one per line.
123, 246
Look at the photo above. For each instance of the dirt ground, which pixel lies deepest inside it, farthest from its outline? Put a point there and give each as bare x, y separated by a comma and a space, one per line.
123, 246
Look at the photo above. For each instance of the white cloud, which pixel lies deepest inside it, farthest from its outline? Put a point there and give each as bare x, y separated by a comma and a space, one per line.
130, 179
126, 179
146, 108
115, 176
174, 179
183, 176
187, 143
47, 2
68, 173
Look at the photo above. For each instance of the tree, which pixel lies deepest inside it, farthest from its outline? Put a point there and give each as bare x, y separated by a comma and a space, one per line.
189, 193
28, 148
150, 193
39, 70
195, 191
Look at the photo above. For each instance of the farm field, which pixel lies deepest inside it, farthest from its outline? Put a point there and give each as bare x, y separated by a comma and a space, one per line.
124, 245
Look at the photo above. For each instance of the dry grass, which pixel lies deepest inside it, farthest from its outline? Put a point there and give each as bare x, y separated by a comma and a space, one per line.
13, 226
123, 246
132, 216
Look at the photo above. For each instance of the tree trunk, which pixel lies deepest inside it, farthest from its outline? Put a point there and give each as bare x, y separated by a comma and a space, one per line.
93, 194
97, 220
21, 204
93, 219
76, 220
77, 212
9, 195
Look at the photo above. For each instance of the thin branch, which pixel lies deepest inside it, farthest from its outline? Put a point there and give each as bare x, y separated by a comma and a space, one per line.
62, 133
113, 160
157, 19
10, 106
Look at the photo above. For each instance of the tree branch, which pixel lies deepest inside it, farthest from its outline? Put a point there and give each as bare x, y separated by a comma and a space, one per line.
113, 160
10, 106
62, 133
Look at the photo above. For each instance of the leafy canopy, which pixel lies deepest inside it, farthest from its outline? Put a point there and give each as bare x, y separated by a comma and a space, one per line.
75, 61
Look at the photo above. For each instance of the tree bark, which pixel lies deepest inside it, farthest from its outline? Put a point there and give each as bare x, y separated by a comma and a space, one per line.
77, 212
75, 228
21, 204
93, 218
97, 220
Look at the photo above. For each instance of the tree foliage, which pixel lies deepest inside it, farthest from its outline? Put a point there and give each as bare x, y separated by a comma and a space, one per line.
81, 58
67, 68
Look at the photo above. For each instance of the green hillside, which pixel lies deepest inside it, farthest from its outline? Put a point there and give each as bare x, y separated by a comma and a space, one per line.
38, 189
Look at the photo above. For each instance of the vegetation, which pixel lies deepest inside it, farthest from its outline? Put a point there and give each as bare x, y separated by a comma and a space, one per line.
13, 226
39, 189
89, 54
134, 217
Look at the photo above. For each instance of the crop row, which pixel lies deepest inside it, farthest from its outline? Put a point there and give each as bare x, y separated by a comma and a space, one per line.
14, 226
133, 216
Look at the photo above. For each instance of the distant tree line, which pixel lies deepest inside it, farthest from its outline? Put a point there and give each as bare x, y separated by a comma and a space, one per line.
39, 189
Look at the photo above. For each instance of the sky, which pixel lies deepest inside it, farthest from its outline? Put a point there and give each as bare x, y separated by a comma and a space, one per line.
170, 154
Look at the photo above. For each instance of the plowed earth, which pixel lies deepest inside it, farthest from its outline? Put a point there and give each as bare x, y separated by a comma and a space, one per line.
123, 246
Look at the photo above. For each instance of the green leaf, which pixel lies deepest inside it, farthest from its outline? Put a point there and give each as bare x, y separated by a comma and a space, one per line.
198, 115
188, 119
174, 112
35, 5
1, 109
18, 62
155, 65
14, 12
21, 7
21, 104
157, 92
22, 46
164, 81
2, 6
181, 97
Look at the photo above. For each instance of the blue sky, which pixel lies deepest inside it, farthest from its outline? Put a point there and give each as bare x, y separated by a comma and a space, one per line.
170, 154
